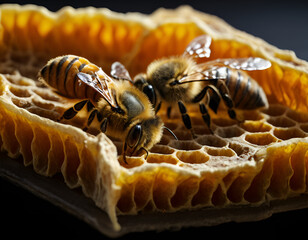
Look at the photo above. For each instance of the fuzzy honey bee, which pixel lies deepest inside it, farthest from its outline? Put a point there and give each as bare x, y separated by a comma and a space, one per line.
123, 111
180, 80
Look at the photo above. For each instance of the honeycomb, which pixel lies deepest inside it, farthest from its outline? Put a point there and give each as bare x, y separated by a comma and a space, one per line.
263, 158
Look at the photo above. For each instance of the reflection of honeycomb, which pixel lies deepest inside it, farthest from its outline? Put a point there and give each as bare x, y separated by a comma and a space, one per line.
263, 158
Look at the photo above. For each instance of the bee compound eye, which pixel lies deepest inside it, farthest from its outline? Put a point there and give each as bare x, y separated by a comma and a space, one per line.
149, 91
134, 136
139, 81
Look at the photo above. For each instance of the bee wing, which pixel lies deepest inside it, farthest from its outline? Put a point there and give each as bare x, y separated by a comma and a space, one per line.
101, 83
199, 47
218, 69
249, 64
205, 72
118, 71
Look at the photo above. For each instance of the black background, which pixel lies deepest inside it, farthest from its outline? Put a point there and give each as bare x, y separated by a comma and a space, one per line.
281, 23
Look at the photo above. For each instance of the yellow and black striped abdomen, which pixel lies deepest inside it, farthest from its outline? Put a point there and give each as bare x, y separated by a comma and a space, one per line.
61, 74
244, 90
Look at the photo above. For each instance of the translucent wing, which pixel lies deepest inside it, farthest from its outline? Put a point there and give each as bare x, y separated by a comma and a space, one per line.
101, 83
218, 69
205, 72
118, 71
199, 47
249, 64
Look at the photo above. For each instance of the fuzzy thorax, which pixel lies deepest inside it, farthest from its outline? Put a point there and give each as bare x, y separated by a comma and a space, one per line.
161, 73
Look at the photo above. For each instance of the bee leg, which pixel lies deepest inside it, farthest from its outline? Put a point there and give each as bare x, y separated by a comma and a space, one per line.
158, 107
169, 112
213, 99
206, 116
68, 114
71, 112
103, 125
224, 92
200, 95
91, 117
186, 118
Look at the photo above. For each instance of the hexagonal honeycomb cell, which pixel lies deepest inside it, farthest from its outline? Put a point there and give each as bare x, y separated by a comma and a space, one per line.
262, 158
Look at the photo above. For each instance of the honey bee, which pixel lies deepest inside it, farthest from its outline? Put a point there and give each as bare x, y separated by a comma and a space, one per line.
180, 80
123, 111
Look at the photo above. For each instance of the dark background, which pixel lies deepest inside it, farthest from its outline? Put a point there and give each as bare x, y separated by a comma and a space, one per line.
281, 23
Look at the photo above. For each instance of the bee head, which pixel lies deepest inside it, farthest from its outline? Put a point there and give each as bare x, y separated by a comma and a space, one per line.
142, 136
148, 89
162, 76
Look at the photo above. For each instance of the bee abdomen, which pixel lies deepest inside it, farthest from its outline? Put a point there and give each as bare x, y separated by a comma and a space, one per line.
245, 91
61, 74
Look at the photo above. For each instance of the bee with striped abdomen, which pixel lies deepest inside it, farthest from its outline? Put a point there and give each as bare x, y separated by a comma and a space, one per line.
123, 111
180, 80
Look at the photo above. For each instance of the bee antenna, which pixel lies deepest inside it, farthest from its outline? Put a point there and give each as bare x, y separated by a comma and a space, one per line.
172, 133
147, 152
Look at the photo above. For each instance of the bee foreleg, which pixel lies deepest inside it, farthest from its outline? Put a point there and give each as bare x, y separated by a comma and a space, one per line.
200, 95
186, 118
